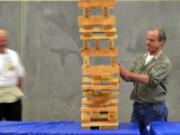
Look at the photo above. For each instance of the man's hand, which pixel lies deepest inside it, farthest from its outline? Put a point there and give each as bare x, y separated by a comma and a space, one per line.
124, 73
133, 76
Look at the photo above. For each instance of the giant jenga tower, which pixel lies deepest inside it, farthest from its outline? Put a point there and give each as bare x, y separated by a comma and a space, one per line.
100, 83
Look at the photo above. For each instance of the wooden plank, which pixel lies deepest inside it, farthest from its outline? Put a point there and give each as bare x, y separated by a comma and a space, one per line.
86, 12
96, 3
100, 70
85, 45
93, 100
100, 87
102, 52
106, 11
105, 118
97, 114
86, 61
101, 77
97, 29
86, 117
97, 44
99, 109
103, 101
96, 20
99, 37
113, 60
99, 125
111, 44
92, 93
113, 80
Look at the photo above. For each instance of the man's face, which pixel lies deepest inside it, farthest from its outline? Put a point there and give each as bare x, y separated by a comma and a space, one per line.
153, 43
3, 41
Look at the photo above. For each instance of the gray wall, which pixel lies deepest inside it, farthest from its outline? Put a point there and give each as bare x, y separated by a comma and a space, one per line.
46, 34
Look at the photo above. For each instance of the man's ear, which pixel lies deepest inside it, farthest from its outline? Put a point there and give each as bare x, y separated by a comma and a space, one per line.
162, 43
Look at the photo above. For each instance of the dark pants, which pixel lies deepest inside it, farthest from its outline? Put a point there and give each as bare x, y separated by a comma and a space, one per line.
11, 111
143, 114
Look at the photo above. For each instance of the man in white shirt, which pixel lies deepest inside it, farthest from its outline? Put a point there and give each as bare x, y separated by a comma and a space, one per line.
11, 78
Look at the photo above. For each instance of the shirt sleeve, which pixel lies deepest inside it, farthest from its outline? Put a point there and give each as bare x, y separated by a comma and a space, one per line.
136, 59
159, 73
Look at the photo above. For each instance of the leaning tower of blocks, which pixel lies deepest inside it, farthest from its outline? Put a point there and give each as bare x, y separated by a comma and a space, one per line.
100, 83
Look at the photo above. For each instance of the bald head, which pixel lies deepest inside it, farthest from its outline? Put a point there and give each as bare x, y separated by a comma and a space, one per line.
3, 40
3, 31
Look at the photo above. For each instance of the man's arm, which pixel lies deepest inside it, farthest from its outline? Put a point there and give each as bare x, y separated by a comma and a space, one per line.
132, 76
20, 83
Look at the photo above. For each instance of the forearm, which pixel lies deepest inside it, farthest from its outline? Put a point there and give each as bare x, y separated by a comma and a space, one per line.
133, 76
125, 78
141, 78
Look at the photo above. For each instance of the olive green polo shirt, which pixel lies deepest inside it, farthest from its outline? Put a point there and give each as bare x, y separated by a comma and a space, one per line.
159, 70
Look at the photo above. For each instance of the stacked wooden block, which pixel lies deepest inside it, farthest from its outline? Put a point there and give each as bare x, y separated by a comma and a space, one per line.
100, 83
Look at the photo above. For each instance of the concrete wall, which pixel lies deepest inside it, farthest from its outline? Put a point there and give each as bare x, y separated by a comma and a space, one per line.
46, 34
10, 19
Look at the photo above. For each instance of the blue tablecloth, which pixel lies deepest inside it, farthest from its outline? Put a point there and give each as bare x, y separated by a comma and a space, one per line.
164, 128
62, 128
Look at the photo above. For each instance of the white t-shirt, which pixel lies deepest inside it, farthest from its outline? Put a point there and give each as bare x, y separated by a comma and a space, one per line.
10, 68
149, 58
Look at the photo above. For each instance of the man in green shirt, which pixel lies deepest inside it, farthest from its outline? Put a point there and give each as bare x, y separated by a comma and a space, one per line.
149, 74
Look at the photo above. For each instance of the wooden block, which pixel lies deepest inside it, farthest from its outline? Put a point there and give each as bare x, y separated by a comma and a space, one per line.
96, 3
97, 29
100, 70
85, 45
103, 52
99, 37
111, 44
100, 87
99, 125
110, 34
101, 77
112, 80
113, 60
106, 11
88, 27
97, 44
92, 93
87, 34
86, 61
108, 117
96, 20
102, 101
108, 26
100, 109
86, 12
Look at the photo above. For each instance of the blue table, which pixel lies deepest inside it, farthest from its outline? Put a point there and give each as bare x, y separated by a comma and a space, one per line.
164, 128
62, 128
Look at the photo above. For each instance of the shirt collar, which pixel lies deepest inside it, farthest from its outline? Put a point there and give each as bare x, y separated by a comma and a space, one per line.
156, 56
